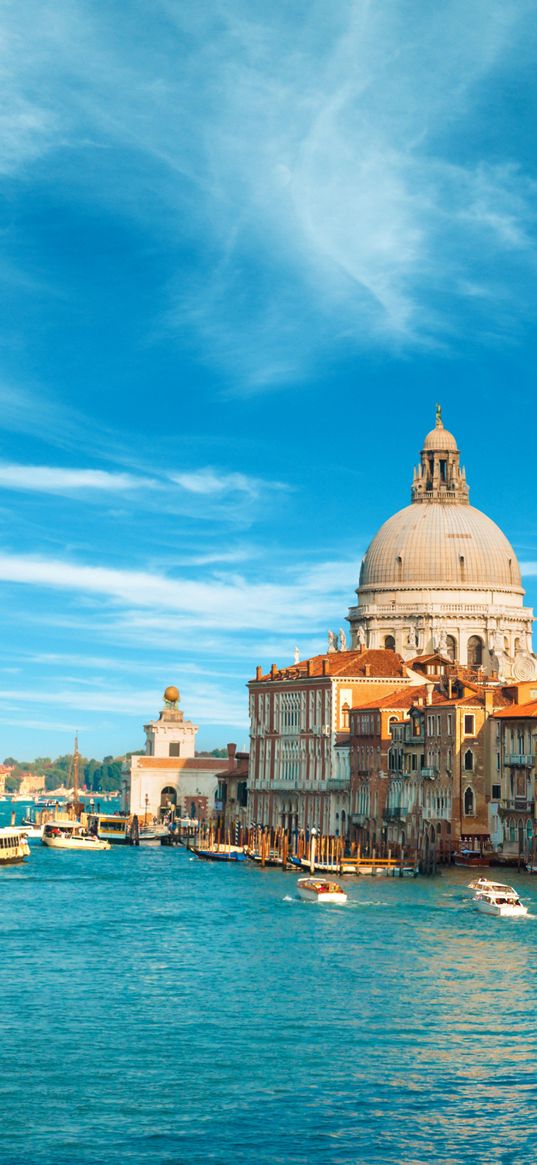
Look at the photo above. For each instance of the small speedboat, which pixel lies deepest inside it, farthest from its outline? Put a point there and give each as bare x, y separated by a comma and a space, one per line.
503, 903
320, 890
71, 835
482, 886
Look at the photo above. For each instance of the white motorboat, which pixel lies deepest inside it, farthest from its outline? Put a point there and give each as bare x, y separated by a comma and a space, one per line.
320, 890
485, 886
503, 903
13, 846
71, 835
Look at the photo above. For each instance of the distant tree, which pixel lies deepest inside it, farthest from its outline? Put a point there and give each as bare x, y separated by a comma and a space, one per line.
13, 784
9, 761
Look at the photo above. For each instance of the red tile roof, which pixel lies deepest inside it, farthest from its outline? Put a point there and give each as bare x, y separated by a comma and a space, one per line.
522, 711
376, 664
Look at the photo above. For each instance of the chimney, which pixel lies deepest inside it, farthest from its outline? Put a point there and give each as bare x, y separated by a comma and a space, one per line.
231, 759
325, 666
367, 669
430, 690
489, 701
258, 672
308, 667
274, 671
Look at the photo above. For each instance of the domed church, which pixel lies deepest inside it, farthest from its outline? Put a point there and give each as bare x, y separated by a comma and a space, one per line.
440, 576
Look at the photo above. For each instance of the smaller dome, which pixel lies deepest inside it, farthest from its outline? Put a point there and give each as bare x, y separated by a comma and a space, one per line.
171, 694
440, 439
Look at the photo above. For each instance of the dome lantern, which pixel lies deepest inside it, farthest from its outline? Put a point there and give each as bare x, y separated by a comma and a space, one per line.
439, 477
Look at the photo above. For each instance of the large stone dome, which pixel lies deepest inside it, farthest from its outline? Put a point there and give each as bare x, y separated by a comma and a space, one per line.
440, 576
439, 545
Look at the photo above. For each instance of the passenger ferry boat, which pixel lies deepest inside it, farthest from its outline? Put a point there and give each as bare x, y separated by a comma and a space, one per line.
14, 847
320, 890
71, 835
110, 827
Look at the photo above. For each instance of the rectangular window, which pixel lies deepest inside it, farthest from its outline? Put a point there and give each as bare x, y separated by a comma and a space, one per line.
174, 749
449, 724
496, 792
469, 725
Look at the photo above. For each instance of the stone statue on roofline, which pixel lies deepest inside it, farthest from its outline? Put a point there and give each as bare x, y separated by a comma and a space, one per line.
342, 640
332, 642
412, 637
360, 636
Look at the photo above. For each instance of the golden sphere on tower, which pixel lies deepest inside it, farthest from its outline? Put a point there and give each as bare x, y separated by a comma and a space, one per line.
171, 694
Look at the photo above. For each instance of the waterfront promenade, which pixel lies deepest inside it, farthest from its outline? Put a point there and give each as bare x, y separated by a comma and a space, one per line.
160, 1009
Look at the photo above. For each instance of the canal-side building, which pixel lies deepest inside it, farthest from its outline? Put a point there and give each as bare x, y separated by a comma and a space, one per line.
231, 797
512, 780
299, 771
390, 742
169, 777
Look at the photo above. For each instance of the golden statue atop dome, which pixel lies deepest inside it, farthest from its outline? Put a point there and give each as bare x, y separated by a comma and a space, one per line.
439, 421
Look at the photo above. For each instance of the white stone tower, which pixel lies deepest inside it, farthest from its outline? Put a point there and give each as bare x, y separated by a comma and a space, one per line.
171, 735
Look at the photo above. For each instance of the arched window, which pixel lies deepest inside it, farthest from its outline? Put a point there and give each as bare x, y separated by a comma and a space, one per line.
399, 568
475, 651
468, 802
168, 795
506, 644
461, 567
389, 643
451, 647
468, 761
517, 646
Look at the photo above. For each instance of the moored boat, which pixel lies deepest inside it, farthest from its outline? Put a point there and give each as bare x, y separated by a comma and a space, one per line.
220, 853
14, 847
471, 857
321, 890
112, 827
71, 835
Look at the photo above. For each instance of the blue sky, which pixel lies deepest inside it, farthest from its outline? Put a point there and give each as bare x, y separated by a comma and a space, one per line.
245, 248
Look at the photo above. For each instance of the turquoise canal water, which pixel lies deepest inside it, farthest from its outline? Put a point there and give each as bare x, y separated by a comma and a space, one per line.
159, 1009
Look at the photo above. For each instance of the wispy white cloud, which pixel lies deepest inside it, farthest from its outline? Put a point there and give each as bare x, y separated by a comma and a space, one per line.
209, 481
322, 176
228, 600
54, 480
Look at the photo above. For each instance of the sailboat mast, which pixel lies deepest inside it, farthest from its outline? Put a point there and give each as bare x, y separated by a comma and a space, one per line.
76, 762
